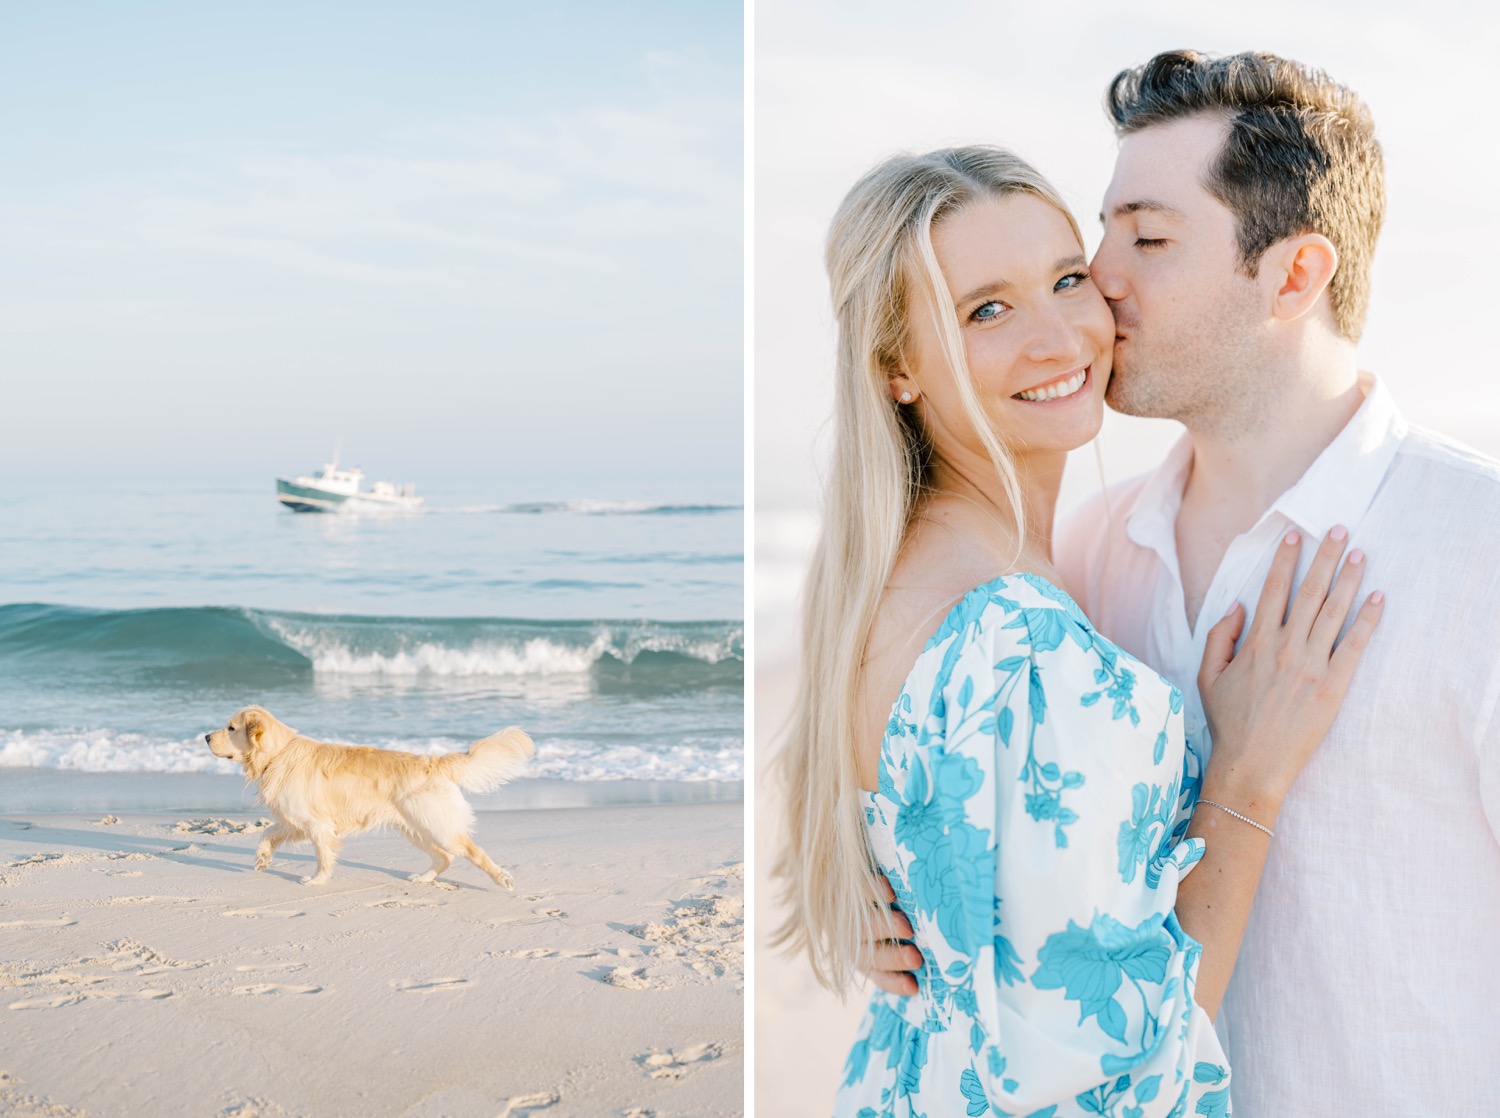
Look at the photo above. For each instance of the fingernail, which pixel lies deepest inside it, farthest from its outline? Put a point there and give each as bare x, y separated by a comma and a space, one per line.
1377, 597
1232, 607
1356, 557
1293, 537
1339, 532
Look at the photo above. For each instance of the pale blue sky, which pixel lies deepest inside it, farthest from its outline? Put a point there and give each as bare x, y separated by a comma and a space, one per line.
472, 240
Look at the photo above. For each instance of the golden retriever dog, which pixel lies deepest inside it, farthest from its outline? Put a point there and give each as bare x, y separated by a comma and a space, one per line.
319, 792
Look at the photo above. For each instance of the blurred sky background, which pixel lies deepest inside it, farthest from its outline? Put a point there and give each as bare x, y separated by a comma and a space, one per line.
488, 241
841, 85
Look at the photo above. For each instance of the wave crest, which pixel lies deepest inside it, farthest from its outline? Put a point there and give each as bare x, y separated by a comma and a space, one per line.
206, 644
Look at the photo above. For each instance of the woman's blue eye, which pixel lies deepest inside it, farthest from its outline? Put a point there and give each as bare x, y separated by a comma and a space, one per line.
986, 311
1071, 280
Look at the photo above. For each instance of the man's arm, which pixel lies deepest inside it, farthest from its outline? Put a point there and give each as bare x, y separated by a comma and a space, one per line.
892, 958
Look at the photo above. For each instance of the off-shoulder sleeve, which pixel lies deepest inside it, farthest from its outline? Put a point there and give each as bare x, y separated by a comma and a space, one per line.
1040, 821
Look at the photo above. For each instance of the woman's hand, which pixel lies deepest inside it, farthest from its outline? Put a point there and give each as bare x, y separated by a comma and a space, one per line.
1270, 705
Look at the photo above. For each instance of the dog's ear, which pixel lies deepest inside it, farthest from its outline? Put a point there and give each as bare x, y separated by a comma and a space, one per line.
255, 729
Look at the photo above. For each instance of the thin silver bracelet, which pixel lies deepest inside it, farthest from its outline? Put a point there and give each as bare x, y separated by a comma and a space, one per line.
1238, 816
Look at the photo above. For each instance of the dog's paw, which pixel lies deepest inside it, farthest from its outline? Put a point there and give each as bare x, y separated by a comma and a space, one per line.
320, 879
262, 864
505, 881
423, 878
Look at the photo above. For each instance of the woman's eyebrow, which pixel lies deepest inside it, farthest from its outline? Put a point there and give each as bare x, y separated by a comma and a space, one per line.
999, 287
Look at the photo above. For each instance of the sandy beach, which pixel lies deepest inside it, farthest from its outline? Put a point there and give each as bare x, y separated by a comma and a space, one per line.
146, 969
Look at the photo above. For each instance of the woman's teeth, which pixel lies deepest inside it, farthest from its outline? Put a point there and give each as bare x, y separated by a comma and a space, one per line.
1057, 391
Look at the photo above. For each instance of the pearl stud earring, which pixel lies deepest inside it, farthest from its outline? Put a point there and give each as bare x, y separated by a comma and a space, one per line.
906, 397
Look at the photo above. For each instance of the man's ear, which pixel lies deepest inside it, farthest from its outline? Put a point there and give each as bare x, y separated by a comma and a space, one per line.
1299, 269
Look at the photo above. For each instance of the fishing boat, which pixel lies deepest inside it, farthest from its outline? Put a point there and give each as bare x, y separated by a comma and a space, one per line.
335, 487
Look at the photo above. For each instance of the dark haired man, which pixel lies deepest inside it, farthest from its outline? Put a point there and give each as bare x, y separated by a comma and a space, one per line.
1239, 229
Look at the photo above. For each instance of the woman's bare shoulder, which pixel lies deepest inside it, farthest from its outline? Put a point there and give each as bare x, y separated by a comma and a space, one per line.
936, 568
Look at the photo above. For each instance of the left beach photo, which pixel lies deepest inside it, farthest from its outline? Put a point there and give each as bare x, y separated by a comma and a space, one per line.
372, 572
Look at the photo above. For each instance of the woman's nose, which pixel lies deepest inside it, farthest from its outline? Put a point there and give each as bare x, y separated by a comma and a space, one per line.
1056, 338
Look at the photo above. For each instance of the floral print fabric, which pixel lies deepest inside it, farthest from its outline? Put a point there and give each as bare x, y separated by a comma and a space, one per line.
1035, 791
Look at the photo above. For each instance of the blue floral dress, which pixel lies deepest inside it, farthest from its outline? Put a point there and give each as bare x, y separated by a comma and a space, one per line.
1035, 790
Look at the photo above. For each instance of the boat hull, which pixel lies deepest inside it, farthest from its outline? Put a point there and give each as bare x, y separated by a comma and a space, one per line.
310, 498
307, 498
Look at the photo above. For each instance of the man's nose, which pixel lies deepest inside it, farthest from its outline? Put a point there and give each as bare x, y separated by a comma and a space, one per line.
1106, 276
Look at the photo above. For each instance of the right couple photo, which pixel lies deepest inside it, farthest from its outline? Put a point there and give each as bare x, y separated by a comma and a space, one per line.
1127, 636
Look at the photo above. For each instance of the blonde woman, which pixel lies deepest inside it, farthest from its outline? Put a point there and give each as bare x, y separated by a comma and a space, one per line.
963, 731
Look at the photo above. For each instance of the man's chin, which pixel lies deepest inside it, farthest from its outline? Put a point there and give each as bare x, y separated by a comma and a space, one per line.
1126, 398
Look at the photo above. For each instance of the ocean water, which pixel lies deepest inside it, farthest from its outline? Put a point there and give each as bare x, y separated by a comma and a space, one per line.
134, 618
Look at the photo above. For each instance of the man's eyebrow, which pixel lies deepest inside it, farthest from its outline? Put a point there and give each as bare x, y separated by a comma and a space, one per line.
1145, 205
999, 287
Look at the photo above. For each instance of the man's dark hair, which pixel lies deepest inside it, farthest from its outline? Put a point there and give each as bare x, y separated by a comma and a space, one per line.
1300, 157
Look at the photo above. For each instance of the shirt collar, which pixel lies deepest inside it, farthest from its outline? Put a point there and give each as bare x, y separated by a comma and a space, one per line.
1152, 520
1336, 489
1342, 481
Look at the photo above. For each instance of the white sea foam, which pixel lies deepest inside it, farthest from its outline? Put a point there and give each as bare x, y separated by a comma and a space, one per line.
694, 759
535, 657
104, 751
331, 654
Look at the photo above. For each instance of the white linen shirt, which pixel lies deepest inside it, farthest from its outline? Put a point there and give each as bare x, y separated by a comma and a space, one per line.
1369, 978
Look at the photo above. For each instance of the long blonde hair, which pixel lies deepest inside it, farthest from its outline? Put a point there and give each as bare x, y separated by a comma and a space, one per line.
879, 254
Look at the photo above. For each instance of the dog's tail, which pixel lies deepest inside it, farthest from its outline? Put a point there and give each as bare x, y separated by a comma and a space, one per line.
488, 763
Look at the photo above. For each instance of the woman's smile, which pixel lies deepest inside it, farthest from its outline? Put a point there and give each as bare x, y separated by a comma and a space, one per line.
1060, 389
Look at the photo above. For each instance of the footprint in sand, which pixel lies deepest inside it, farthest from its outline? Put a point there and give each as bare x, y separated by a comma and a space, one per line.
428, 985
270, 966
673, 1064
59, 922
553, 912
131, 955
547, 953
92, 995
403, 902
520, 1106
277, 988
624, 978
218, 827
285, 912
638, 1112
254, 1108
732, 871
